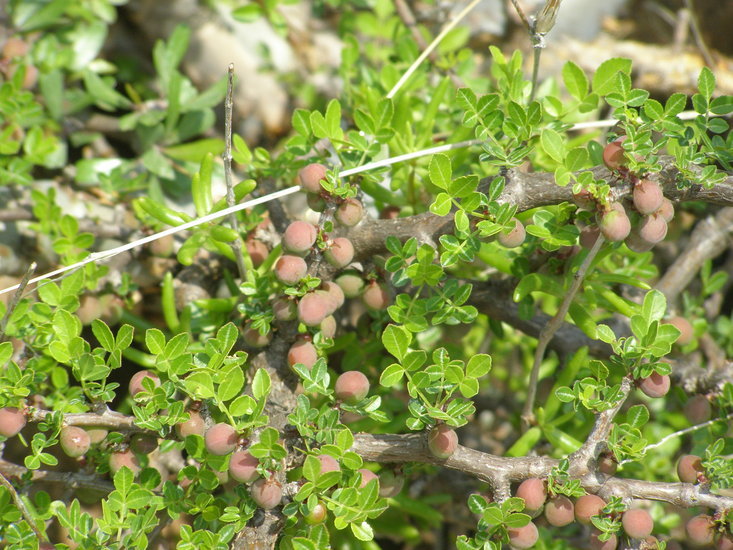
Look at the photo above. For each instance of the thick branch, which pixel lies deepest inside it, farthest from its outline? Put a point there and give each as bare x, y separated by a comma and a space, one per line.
75, 480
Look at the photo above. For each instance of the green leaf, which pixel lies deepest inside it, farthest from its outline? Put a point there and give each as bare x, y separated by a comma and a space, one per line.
391, 375
362, 531
333, 120
478, 365
104, 94
195, 151
706, 83
396, 340
654, 306
231, 383
261, 384
575, 80
102, 333
442, 204
440, 171
553, 144
637, 416
604, 79
123, 480
200, 385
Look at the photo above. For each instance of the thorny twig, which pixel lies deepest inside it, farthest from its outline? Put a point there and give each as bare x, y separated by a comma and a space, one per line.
16, 298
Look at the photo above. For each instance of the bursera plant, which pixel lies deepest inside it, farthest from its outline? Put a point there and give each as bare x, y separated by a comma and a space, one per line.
315, 379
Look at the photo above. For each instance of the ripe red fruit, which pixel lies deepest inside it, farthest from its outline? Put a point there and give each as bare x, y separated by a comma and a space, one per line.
339, 253
12, 420
221, 439
284, 309
310, 177
687, 333
193, 426
390, 484
255, 339
243, 466
648, 197
299, 237
698, 409
597, 544
655, 385
376, 296
689, 468
533, 492
653, 228
74, 441
615, 225
637, 523
312, 309
351, 284
302, 351
613, 154
328, 464
515, 237
136, 382
351, 387
700, 530
124, 458
523, 537
725, 542
560, 511
349, 212
257, 251
328, 326
442, 441
589, 235
290, 269
587, 506
366, 477
267, 493
317, 515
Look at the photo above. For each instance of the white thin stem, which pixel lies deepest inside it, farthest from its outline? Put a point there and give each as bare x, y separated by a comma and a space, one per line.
434, 44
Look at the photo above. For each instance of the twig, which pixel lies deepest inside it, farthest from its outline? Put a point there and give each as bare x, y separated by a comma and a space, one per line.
699, 40
537, 31
523, 17
227, 157
551, 328
434, 44
22, 507
16, 298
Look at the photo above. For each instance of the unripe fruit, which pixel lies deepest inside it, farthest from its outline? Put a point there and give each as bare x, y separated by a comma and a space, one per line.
255, 339
143, 444
328, 464
243, 466
12, 420
299, 237
136, 382
655, 385
636, 243
317, 515
328, 326
515, 237
375, 296
310, 177
698, 409
607, 464
312, 309
316, 202
687, 333
366, 477
648, 197
267, 493
689, 468
302, 351
390, 484
349, 212
339, 253
74, 441
588, 236
533, 492
637, 523
587, 506
290, 269
613, 154
700, 530
653, 228
597, 544
523, 537
257, 251
560, 511
96, 435
284, 309
124, 458
351, 387
221, 439
666, 210
442, 441
615, 225
584, 200
351, 284
193, 426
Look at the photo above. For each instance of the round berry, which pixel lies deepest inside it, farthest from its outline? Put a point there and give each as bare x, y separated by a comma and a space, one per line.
588, 506
559, 511
310, 177
335, 294
666, 210
689, 468
317, 515
255, 339
366, 477
607, 464
313, 308
284, 309
532, 490
351, 387
243, 466
589, 235
316, 202
290, 269
700, 530
143, 444
390, 484
687, 332
442, 441
653, 228
376, 296
328, 327
613, 154
193, 426
299, 237
636, 243
328, 464
221, 439
648, 197
302, 351
351, 284
124, 458
267, 493
523, 537
655, 385
349, 212
637, 523
96, 435
340, 252
257, 251
136, 382
515, 237
12, 420
615, 225
698, 409
74, 441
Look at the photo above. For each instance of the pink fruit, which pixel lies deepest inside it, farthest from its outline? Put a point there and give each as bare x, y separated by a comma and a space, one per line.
299, 237
267, 493
303, 351
515, 237
12, 420
193, 426
243, 466
366, 477
588, 506
698, 409
666, 210
349, 212
255, 339
607, 464
597, 544
313, 308
648, 197
257, 251
136, 382
317, 515
560, 511
316, 202
335, 294
351, 387
655, 385
328, 327
637, 523
613, 154
124, 458
584, 200
74, 441
637, 243
442, 441
589, 235
284, 309
290, 269
615, 225
390, 484
376, 296
700, 530
687, 332
310, 177
653, 228
328, 464
532, 490
96, 435
351, 284
523, 537
339, 253
221, 439
689, 468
